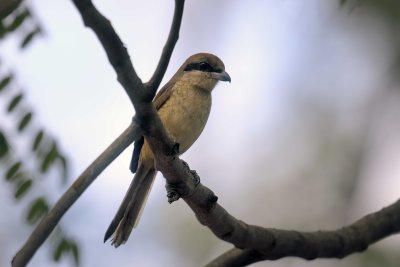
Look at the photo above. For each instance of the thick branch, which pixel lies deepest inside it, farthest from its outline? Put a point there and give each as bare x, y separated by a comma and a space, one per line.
49, 222
173, 36
116, 52
256, 243
272, 244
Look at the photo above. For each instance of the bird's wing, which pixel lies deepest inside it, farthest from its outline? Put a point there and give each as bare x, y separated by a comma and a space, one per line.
163, 94
158, 101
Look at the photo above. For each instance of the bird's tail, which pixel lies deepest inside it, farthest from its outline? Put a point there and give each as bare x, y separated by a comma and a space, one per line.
131, 208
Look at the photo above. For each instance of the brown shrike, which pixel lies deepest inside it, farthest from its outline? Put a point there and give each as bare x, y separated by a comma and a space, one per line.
183, 105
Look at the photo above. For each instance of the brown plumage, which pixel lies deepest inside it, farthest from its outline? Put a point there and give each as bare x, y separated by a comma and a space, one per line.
183, 105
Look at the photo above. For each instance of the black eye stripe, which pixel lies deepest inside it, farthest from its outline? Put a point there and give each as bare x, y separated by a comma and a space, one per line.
201, 66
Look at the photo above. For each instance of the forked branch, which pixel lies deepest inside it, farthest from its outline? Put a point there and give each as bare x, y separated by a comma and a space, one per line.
140, 97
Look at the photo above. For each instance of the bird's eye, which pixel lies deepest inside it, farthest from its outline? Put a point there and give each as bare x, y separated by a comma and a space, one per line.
204, 66
201, 66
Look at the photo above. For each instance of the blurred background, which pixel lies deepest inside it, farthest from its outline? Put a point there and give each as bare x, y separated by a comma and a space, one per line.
304, 138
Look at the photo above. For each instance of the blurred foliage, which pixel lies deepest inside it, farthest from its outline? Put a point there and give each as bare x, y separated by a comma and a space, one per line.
389, 8
17, 19
66, 246
379, 258
23, 168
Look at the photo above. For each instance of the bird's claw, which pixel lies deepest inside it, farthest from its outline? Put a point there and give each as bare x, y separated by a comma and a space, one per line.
175, 191
172, 195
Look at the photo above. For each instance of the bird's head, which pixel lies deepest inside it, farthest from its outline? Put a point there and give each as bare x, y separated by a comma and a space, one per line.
204, 70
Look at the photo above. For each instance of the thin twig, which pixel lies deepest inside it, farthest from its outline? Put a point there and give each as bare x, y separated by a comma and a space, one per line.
173, 37
49, 222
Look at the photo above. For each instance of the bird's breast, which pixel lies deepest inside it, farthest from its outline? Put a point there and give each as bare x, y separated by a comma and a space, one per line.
185, 114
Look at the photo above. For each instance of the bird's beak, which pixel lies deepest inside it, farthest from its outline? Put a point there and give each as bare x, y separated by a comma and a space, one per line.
221, 76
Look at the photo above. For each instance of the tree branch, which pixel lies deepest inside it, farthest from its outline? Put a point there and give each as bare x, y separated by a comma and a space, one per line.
49, 222
116, 51
255, 243
173, 36
273, 244
236, 257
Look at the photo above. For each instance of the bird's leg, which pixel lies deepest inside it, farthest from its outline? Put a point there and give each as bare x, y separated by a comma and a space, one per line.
174, 150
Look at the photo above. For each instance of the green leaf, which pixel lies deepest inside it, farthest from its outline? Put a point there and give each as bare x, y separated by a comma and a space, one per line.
63, 247
37, 210
14, 102
9, 8
19, 19
4, 147
28, 38
5, 81
38, 140
75, 252
23, 188
3, 29
13, 170
50, 158
64, 164
26, 119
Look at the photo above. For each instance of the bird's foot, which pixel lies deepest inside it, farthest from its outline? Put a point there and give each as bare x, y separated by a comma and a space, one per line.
172, 195
177, 190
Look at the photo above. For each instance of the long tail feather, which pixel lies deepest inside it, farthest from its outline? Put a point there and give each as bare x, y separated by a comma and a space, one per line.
130, 210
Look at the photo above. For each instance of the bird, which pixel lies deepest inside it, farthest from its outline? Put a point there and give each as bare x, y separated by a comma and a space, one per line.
183, 105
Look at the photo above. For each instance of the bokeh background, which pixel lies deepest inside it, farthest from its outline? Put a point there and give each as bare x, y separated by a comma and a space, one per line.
306, 136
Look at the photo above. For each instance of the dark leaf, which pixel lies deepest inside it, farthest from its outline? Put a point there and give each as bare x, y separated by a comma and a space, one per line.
26, 119
13, 170
4, 147
75, 252
50, 158
37, 210
38, 140
14, 102
19, 19
23, 188
28, 38
63, 247
3, 29
64, 164
5, 81
8, 8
